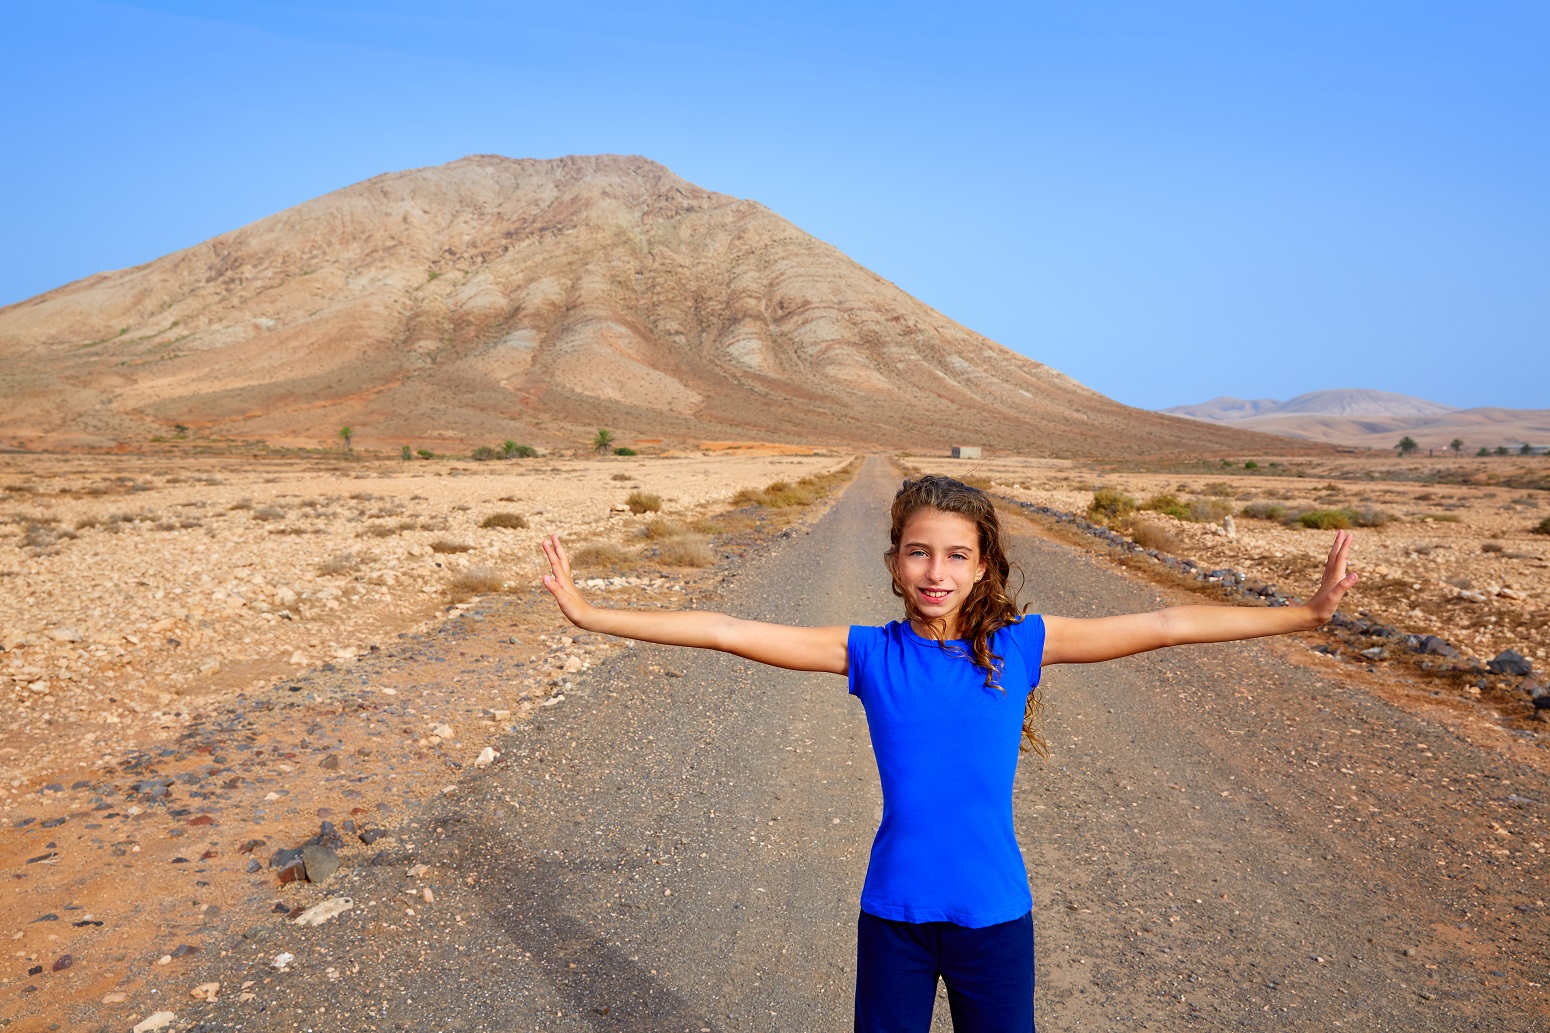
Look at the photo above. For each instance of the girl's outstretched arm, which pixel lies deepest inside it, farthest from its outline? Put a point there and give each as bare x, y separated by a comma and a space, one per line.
779, 645
1077, 641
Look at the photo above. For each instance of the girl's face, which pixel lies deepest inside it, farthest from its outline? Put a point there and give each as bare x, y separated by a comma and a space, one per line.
938, 563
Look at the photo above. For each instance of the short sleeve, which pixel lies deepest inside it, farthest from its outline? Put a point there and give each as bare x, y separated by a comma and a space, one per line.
1028, 636
859, 647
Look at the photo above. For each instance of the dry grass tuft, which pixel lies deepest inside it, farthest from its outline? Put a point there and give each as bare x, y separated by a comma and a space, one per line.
660, 528
512, 520
690, 551
479, 579
1150, 534
598, 555
644, 502
622, 477
450, 545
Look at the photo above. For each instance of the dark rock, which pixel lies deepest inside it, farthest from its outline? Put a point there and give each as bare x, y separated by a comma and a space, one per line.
1510, 661
86, 922
1375, 653
54, 823
183, 950
280, 909
43, 857
257, 932
203, 819
250, 846
330, 762
36, 970
320, 862
254, 866
63, 962
1540, 696
370, 836
294, 870
329, 836
1431, 645
284, 856
50, 917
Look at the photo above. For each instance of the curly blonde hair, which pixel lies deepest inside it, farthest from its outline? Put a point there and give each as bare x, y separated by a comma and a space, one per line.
992, 603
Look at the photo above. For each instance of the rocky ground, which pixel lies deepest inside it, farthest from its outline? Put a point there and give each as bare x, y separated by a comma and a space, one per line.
164, 622
1458, 561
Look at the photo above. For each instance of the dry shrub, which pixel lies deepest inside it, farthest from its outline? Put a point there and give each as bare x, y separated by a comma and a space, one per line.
1208, 511
644, 502
691, 551
1110, 504
379, 531
780, 494
269, 513
598, 555
450, 545
659, 528
478, 579
512, 520
1493, 547
1218, 489
241, 504
1149, 534
1543, 527
622, 477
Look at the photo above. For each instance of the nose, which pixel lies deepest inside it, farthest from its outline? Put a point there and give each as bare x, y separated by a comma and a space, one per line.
935, 571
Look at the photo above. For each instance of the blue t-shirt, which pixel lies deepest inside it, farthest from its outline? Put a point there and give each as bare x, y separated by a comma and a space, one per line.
946, 748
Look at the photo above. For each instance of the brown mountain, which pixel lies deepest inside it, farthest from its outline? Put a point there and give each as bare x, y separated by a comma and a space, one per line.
494, 298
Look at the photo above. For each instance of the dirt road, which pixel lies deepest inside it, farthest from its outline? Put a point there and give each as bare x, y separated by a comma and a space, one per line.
1219, 839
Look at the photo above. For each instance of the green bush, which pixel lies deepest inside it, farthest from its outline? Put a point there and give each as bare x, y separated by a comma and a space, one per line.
425, 453
1251, 465
1327, 519
1543, 527
1110, 504
512, 520
484, 453
644, 502
1167, 504
406, 452
623, 450
524, 452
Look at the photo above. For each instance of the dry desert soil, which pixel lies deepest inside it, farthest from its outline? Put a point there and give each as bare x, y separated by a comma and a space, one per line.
210, 657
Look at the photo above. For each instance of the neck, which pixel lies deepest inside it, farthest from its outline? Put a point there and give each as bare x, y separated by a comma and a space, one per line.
947, 626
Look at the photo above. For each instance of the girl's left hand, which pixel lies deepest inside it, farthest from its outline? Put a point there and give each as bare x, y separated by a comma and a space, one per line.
560, 583
1336, 581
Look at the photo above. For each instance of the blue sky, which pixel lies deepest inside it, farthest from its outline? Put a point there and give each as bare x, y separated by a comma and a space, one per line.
1166, 200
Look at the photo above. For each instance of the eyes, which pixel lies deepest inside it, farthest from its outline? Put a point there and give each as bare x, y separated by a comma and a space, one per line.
919, 553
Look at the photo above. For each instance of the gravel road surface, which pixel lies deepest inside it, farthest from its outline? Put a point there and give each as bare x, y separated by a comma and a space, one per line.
1220, 838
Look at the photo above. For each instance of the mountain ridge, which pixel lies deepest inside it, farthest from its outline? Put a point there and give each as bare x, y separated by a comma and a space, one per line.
494, 298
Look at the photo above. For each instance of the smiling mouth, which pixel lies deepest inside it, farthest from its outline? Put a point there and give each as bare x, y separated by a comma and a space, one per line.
935, 595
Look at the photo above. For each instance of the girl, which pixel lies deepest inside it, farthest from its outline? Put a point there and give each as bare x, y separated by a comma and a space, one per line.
948, 697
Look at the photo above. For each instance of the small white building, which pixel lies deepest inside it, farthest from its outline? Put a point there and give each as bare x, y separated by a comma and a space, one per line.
966, 451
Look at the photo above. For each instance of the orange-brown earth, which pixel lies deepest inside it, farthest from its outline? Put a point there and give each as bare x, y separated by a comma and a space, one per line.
493, 299
162, 617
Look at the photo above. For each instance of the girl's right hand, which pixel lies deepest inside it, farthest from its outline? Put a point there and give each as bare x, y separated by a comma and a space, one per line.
560, 583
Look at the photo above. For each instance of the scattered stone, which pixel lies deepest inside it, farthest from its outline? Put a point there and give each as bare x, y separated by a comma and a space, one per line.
205, 992
282, 961
116, 997
328, 909
442, 731
1375, 653
155, 1021
183, 950
88, 920
50, 917
294, 870
203, 819
254, 867
330, 762
1431, 645
63, 962
371, 835
63, 635
48, 858
250, 846
53, 823
328, 836
319, 862
486, 758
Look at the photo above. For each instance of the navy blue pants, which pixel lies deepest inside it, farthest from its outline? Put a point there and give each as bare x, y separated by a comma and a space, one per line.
988, 972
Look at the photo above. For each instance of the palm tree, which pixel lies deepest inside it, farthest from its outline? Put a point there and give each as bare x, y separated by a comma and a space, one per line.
508, 447
604, 440
1457, 444
1406, 445
346, 433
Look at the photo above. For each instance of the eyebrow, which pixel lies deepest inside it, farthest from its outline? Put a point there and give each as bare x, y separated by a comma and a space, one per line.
927, 545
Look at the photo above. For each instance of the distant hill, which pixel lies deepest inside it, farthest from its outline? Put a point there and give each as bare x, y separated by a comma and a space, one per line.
493, 299
1376, 419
